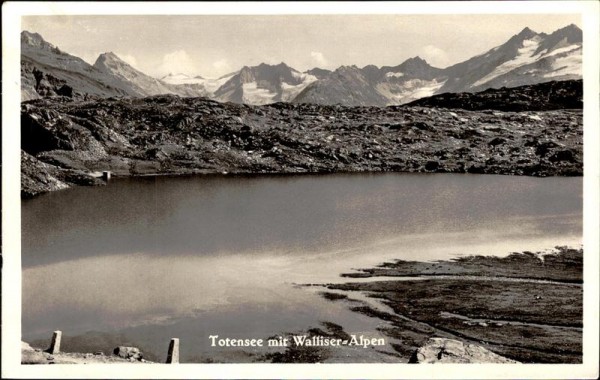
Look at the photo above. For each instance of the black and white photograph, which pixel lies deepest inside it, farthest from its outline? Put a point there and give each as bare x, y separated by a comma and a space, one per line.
308, 190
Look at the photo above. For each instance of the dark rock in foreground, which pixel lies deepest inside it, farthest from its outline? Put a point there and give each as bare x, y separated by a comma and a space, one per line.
38, 177
539, 97
172, 135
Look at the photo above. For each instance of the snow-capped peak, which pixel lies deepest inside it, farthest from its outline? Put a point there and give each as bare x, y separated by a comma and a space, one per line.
181, 78
178, 76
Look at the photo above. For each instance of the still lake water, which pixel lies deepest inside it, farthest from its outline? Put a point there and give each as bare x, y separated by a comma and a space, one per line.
188, 257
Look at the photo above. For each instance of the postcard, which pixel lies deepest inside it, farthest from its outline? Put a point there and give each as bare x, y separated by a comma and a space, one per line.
300, 190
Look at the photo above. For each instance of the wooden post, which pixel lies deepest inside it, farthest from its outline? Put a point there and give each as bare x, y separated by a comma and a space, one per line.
55, 344
106, 175
173, 355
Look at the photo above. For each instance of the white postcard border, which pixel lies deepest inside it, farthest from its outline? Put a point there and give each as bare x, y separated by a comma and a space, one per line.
11, 273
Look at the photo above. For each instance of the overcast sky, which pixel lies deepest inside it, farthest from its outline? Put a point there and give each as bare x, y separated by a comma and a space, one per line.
212, 46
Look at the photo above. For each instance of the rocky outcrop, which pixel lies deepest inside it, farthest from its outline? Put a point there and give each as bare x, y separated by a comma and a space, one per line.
38, 177
441, 350
129, 353
169, 134
541, 97
39, 84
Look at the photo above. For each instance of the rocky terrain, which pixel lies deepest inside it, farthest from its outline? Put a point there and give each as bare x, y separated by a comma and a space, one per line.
544, 96
525, 307
440, 350
67, 142
121, 355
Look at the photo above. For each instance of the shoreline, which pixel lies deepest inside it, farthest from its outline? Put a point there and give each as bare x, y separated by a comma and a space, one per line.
247, 174
65, 140
522, 320
91, 179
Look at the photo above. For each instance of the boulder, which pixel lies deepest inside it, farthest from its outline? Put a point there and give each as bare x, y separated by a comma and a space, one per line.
26, 347
128, 352
432, 165
562, 155
442, 350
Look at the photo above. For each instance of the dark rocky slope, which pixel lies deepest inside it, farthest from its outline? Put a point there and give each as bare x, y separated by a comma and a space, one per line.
64, 139
545, 96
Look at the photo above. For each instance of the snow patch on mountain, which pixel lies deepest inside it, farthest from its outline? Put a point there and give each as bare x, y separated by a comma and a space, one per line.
263, 84
182, 79
525, 56
212, 85
252, 94
566, 65
298, 75
410, 90
394, 75
209, 84
566, 49
290, 91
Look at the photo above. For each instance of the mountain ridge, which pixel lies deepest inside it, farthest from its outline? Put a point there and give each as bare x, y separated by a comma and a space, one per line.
264, 84
525, 58
112, 65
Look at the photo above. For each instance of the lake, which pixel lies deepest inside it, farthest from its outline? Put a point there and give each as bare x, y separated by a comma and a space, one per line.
159, 257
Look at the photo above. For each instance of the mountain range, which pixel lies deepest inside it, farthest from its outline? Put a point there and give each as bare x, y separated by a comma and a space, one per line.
526, 58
